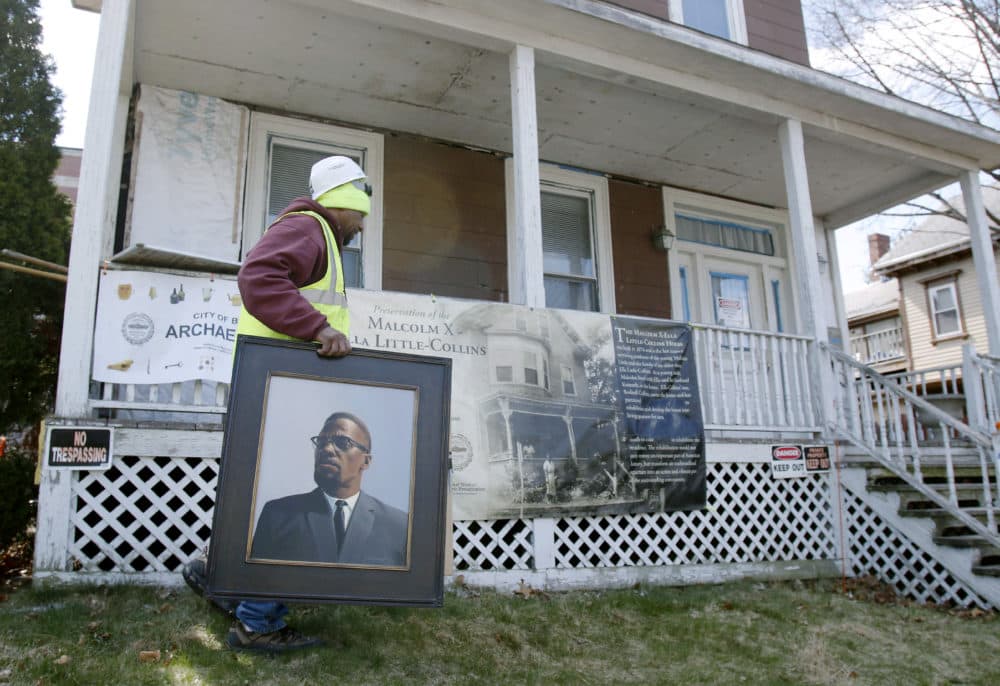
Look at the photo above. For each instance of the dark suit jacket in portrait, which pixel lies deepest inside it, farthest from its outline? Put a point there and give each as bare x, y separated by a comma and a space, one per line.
299, 528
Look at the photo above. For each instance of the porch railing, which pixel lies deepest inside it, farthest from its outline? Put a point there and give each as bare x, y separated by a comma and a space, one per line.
884, 419
981, 380
190, 400
754, 380
749, 380
932, 381
880, 346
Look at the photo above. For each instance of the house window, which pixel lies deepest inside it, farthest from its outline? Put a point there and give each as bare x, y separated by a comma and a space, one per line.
722, 18
568, 383
576, 238
568, 250
505, 373
282, 152
530, 369
945, 314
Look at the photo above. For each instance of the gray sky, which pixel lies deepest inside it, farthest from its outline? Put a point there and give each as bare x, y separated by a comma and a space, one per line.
70, 37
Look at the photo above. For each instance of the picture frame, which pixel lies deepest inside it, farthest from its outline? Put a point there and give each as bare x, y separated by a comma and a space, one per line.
303, 433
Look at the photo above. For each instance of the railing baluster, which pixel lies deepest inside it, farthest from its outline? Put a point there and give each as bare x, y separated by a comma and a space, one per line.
808, 407
767, 371
914, 444
949, 467
987, 490
720, 377
785, 395
897, 428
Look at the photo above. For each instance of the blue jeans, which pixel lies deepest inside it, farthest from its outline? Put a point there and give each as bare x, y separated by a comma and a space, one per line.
262, 617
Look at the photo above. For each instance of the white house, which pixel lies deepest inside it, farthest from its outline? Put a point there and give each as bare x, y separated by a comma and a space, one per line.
672, 160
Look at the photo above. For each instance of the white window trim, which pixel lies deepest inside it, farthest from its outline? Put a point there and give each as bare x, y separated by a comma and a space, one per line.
734, 11
729, 210
951, 285
552, 177
255, 199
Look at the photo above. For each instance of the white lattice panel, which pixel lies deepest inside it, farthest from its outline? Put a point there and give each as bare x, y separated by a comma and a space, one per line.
153, 514
494, 544
750, 518
876, 549
148, 514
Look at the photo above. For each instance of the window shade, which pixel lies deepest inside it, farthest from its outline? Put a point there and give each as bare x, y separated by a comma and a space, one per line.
725, 235
566, 240
289, 178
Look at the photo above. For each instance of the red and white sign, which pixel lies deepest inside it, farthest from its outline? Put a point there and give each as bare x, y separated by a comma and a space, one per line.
787, 462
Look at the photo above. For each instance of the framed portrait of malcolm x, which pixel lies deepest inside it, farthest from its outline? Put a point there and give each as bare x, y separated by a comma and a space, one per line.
333, 478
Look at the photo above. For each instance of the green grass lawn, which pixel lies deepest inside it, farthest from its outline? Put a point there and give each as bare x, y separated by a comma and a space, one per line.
744, 633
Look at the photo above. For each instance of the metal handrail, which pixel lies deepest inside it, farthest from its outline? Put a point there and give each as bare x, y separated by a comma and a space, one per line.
880, 417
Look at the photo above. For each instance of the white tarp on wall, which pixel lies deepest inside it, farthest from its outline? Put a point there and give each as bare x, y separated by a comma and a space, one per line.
188, 173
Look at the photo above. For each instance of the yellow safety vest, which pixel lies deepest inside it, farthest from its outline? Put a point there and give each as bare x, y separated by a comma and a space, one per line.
328, 297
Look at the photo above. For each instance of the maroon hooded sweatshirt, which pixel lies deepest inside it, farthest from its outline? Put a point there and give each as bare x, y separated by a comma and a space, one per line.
290, 255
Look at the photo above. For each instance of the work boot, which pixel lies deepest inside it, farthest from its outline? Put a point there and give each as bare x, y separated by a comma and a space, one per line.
195, 573
280, 641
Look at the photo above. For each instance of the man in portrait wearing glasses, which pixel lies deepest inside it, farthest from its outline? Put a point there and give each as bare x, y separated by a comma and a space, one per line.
337, 522
292, 286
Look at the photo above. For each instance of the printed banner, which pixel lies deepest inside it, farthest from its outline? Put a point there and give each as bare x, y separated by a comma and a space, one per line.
162, 328
554, 412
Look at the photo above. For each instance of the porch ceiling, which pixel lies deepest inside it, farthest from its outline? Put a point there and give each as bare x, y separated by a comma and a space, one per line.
295, 57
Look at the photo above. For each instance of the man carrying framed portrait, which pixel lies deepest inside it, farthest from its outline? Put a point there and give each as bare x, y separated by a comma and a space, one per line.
292, 287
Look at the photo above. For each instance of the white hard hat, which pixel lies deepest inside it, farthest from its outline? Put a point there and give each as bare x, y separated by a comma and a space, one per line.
332, 172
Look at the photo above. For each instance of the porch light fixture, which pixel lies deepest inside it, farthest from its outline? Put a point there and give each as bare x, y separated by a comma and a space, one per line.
663, 238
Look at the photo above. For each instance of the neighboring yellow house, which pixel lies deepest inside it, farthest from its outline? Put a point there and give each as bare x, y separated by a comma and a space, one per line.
939, 294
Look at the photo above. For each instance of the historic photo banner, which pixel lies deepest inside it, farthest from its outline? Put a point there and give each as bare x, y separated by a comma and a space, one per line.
554, 412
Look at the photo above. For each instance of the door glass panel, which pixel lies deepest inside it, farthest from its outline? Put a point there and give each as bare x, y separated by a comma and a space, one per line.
731, 300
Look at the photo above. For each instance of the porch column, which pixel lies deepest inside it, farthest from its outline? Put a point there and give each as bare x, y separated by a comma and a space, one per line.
982, 257
93, 235
524, 231
803, 229
572, 436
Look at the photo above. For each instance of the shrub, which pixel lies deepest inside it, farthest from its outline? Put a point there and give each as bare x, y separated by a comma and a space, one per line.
17, 495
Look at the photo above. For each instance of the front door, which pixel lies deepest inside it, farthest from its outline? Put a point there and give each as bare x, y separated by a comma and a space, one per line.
736, 287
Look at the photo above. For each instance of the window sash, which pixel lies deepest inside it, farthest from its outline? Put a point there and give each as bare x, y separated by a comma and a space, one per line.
568, 381
569, 263
505, 373
710, 16
945, 314
363, 261
567, 233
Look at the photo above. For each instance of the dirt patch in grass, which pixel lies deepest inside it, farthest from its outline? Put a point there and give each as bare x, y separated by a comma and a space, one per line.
870, 590
15, 564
